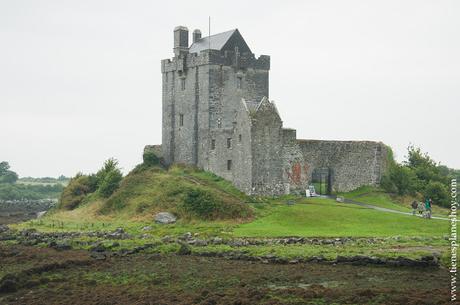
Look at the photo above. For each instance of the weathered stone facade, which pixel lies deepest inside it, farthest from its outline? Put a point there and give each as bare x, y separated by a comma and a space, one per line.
217, 116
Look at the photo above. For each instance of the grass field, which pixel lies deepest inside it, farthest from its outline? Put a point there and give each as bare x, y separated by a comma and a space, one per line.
327, 218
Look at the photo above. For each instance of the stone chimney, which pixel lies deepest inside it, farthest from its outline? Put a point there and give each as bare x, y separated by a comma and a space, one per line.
196, 35
180, 40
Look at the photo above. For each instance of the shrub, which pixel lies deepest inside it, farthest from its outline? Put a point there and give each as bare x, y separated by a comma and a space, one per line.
110, 183
200, 203
438, 192
150, 158
400, 179
74, 193
108, 178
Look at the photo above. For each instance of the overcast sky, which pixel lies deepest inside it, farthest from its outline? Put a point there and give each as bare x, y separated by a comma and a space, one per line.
80, 80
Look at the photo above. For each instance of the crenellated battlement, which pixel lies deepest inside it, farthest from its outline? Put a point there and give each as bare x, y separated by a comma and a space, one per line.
215, 57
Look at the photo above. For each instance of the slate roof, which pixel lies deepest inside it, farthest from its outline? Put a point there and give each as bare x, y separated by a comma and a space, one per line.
218, 41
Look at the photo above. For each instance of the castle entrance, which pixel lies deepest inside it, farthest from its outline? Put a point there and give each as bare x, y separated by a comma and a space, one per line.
322, 180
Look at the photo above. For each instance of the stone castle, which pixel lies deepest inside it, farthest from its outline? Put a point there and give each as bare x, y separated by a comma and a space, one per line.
217, 116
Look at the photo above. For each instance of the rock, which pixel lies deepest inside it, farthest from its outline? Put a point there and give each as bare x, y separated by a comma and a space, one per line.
198, 242
41, 214
184, 250
4, 228
64, 245
165, 218
167, 239
98, 255
186, 236
217, 240
119, 233
27, 232
119, 230
340, 199
147, 228
98, 247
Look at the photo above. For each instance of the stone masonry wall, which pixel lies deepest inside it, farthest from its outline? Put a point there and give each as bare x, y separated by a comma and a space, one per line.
351, 163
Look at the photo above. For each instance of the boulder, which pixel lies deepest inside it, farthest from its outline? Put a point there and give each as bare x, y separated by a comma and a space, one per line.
165, 218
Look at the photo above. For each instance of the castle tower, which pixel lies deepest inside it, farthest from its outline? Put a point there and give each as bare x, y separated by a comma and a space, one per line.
203, 86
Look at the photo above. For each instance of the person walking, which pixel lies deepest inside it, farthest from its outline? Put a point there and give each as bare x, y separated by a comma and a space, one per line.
428, 202
420, 208
414, 206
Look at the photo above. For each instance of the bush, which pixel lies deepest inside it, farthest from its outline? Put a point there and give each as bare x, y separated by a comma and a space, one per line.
74, 193
200, 203
108, 178
400, 179
150, 158
110, 183
438, 192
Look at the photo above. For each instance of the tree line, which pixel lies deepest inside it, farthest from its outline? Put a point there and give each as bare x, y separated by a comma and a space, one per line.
420, 176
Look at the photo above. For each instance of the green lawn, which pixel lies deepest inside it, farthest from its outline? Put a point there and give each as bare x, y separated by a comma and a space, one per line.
326, 218
373, 196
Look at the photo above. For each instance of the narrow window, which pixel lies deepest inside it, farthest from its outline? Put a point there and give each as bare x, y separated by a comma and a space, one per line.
181, 120
229, 142
213, 144
239, 82
182, 83
239, 138
229, 165
219, 122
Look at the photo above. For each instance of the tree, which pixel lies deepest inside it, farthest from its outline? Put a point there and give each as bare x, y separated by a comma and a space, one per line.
108, 178
110, 183
4, 167
438, 192
6, 175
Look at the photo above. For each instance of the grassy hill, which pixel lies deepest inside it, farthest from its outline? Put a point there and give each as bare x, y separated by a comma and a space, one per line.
187, 192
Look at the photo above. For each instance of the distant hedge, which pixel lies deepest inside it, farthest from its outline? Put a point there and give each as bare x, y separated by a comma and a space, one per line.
24, 191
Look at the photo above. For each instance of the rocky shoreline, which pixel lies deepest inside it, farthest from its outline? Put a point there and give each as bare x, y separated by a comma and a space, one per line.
12, 211
190, 244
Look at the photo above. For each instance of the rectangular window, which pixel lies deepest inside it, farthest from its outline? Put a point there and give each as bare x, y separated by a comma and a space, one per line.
229, 165
239, 83
239, 138
229, 142
182, 83
213, 144
181, 120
